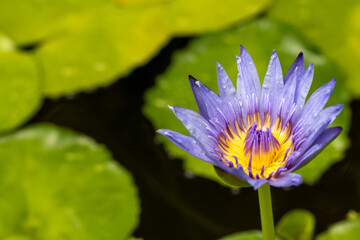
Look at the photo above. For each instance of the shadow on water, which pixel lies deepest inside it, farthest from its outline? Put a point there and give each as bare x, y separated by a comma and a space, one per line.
178, 207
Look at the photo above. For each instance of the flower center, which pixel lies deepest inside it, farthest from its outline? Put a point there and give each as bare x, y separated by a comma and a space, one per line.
259, 151
260, 144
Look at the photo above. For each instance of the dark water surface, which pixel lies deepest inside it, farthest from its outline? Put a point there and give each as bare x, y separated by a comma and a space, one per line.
178, 207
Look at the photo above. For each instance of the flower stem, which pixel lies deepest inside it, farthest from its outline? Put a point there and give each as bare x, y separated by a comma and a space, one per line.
267, 221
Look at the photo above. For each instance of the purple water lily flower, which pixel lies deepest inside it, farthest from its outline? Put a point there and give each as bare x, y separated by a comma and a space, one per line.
260, 135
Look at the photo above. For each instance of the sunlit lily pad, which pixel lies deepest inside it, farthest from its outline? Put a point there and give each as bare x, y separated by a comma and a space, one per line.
332, 26
98, 49
29, 21
199, 58
298, 224
184, 17
347, 229
56, 184
86, 44
246, 235
140, 3
20, 86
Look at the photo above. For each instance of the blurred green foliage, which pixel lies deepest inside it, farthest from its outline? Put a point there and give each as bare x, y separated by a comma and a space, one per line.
198, 59
299, 224
61, 185
56, 184
86, 44
247, 235
20, 86
348, 229
333, 27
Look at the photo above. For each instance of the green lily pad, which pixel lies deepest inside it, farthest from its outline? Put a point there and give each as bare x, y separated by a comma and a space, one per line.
140, 3
333, 29
20, 86
189, 17
247, 235
28, 22
56, 184
198, 59
347, 229
87, 44
84, 44
6, 44
298, 224
95, 51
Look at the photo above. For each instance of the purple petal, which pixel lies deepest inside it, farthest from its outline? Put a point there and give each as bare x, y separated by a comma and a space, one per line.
218, 111
238, 172
303, 86
296, 68
227, 90
194, 123
198, 97
273, 82
285, 105
286, 179
256, 183
292, 159
248, 84
320, 143
250, 68
226, 87
320, 123
316, 102
188, 144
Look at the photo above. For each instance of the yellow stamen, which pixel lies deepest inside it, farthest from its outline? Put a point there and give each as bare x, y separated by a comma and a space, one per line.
258, 159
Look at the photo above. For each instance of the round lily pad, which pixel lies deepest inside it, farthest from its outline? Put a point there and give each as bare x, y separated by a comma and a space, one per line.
340, 42
188, 17
298, 224
348, 229
56, 184
20, 86
28, 22
139, 3
82, 45
101, 46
